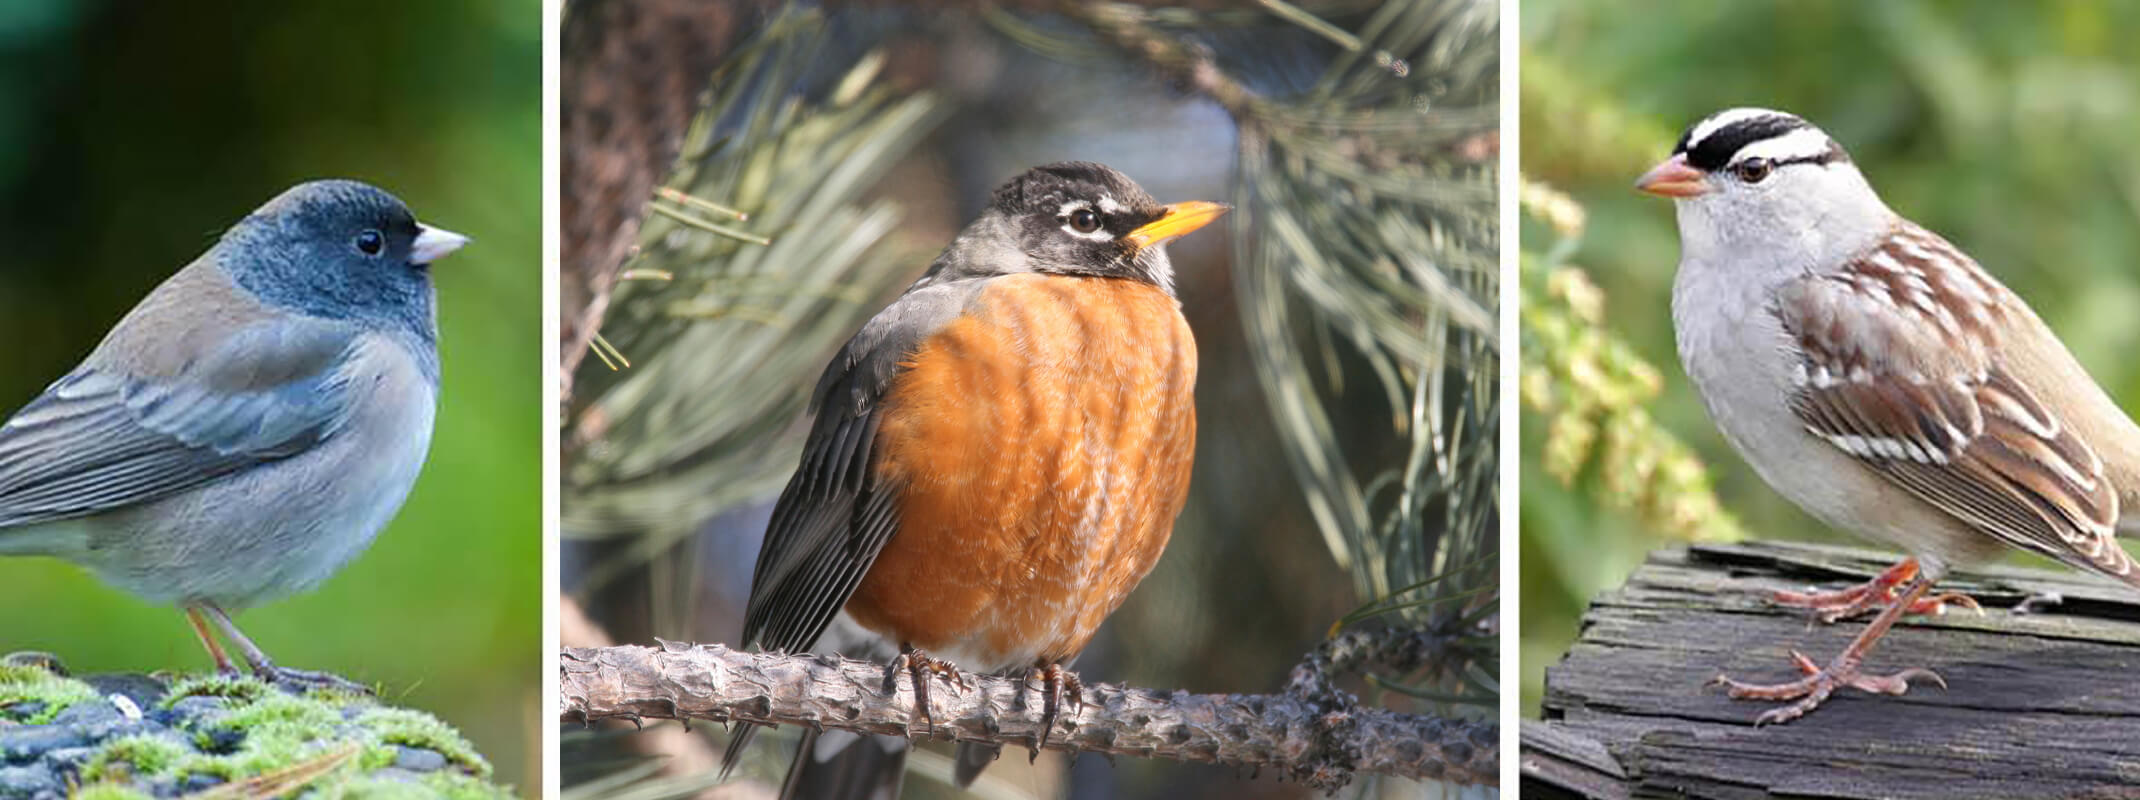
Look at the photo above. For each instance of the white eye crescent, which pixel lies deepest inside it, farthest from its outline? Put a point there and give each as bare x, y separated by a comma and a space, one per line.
1081, 221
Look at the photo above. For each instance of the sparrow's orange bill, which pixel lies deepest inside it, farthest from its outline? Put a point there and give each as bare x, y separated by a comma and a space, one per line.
1673, 178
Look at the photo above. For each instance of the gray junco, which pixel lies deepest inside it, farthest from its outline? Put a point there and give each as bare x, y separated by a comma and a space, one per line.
248, 428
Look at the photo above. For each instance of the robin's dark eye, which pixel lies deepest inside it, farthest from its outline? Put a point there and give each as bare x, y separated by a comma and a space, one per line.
1752, 170
371, 242
1084, 221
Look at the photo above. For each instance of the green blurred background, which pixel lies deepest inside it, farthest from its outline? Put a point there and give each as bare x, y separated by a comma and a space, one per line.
131, 134
2007, 127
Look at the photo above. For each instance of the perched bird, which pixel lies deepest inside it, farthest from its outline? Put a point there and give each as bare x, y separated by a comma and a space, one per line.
1879, 378
250, 426
997, 457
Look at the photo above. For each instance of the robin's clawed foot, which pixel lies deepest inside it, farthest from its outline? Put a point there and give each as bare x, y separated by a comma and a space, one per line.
919, 666
1873, 595
1057, 685
1811, 690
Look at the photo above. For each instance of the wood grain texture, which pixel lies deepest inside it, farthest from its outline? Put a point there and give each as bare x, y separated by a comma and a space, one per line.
2043, 703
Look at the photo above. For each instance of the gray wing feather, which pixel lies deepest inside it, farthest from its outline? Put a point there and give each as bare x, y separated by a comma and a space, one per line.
99, 440
1943, 417
835, 514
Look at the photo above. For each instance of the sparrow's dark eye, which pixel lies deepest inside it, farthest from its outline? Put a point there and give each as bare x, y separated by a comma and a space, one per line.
1752, 170
370, 242
1084, 221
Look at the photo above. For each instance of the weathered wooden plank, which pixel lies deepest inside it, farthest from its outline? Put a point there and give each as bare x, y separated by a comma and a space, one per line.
1559, 763
2042, 703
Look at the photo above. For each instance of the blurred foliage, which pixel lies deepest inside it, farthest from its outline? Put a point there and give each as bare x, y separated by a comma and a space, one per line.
131, 134
1394, 283
1592, 389
1363, 267
680, 436
2007, 127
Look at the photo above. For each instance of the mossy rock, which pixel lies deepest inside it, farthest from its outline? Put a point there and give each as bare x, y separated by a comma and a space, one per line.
31, 694
132, 736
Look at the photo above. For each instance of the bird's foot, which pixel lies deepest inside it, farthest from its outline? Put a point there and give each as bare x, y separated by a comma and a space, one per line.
203, 615
1883, 589
919, 666
301, 681
1817, 684
2039, 602
1058, 687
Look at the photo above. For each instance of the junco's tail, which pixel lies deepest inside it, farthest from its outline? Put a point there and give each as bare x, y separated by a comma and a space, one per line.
40, 539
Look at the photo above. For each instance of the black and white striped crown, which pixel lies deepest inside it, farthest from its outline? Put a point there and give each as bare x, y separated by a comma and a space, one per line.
1737, 133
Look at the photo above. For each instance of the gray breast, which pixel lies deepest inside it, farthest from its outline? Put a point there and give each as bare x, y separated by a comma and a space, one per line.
286, 526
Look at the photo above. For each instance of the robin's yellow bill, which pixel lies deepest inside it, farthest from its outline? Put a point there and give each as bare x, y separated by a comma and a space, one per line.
1180, 219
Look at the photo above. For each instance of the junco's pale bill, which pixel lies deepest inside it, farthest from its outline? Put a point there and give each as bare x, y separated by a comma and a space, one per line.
247, 429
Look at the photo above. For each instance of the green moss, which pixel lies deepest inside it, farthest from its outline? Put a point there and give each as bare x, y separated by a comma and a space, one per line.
411, 728
226, 767
244, 688
29, 684
446, 784
279, 731
373, 788
285, 716
274, 732
109, 791
124, 758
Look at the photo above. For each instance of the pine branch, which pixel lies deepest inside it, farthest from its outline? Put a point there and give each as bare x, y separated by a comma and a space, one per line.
1311, 732
633, 73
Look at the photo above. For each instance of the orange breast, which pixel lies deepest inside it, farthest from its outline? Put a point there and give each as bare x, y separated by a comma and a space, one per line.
1043, 443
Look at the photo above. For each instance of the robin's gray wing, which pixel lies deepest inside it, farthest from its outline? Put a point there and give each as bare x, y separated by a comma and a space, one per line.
836, 514
103, 438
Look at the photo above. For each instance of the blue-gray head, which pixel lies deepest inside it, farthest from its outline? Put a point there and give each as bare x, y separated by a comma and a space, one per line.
339, 249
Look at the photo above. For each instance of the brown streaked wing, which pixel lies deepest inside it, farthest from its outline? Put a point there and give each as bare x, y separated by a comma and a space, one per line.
1900, 372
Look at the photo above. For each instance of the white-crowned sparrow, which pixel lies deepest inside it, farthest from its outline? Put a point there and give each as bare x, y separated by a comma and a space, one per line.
1876, 376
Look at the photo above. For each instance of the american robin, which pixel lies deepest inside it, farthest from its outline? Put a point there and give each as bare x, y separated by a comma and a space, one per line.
997, 458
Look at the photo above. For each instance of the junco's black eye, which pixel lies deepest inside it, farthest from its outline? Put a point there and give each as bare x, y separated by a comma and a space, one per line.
1084, 221
1752, 170
371, 242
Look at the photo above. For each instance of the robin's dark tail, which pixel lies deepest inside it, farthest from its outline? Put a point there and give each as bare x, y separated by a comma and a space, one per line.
972, 758
837, 765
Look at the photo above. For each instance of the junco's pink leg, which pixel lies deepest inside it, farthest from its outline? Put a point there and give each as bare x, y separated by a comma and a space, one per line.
295, 679
215, 651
